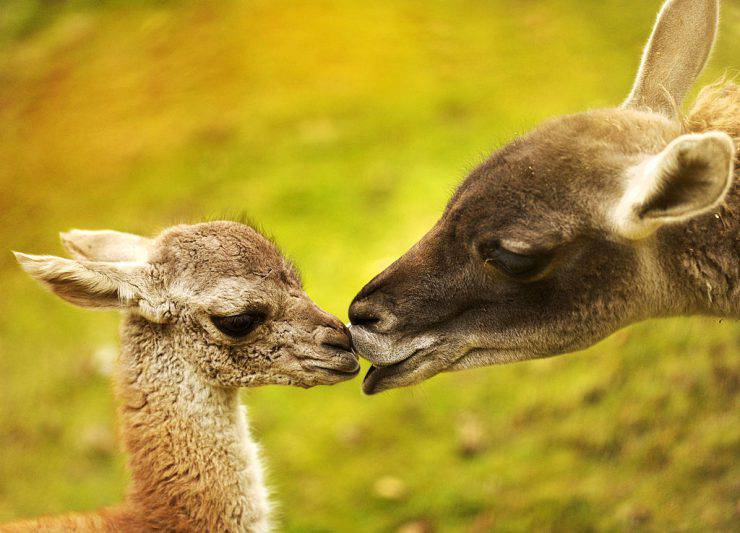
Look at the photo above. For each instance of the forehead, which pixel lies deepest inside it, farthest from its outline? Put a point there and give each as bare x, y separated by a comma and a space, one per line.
205, 253
560, 174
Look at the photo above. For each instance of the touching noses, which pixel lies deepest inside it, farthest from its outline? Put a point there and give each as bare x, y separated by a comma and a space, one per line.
363, 313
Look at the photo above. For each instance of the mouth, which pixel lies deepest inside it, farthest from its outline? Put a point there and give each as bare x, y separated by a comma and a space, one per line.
400, 374
337, 370
399, 364
373, 376
426, 363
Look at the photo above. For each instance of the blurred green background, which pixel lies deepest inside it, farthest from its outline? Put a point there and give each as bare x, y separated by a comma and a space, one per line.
342, 127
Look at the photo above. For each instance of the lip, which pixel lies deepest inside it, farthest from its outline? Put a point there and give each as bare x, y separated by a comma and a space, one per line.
341, 369
397, 364
375, 375
341, 375
371, 379
337, 371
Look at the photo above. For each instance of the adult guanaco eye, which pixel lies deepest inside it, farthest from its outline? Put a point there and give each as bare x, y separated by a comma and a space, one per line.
240, 325
512, 264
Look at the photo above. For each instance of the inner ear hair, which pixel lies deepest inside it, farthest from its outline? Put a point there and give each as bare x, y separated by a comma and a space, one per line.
678, 190
694, 173
690, 177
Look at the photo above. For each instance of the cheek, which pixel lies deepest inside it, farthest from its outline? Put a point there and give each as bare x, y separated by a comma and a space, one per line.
521, 310
216, 362
284, 338
209, 355
576, 314
443, 299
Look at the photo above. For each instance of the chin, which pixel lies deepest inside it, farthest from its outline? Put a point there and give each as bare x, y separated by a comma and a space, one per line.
328, 377
411, 371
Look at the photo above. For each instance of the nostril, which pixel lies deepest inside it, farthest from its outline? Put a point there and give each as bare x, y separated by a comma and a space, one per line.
365, 320
362, 314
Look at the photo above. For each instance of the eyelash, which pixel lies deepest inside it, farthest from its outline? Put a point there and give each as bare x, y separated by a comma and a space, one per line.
238, 326
518, 266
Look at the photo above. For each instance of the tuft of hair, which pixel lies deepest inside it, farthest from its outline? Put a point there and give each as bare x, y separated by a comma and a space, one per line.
717, 107
242, 217
239, 217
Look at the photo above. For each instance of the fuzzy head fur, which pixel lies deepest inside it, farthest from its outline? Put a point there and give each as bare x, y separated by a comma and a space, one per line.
180, 283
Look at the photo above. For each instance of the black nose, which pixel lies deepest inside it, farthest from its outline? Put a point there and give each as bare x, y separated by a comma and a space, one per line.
362, 313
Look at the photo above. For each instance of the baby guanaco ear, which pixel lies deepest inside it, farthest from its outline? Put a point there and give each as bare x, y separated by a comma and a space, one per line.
87, 283
690, 177
675, 55
106, 245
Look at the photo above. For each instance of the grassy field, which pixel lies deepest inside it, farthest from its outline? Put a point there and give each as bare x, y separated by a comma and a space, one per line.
342, 128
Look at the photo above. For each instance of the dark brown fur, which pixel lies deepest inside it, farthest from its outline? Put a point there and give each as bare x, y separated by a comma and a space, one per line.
554, 191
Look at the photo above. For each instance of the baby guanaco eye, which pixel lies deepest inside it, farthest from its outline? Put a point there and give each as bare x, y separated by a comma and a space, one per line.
238, 326
515, 265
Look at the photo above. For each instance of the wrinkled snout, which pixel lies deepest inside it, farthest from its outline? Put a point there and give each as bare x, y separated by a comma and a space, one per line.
386, 312
334, 357
370, 311
372, 320
394, 317
337, 343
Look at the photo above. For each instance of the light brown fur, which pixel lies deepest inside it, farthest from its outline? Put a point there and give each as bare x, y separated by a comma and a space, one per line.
717, 107
194, 466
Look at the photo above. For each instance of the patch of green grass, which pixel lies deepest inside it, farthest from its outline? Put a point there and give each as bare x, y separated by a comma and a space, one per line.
342, 128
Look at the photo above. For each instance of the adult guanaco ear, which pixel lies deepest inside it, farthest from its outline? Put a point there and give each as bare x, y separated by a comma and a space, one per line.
690, 177
106, 245
675, 55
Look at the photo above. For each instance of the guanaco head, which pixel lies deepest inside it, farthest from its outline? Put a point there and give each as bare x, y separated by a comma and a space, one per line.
218, 294
558, 239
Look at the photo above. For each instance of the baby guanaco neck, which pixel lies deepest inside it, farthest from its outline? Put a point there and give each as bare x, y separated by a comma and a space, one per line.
193, 464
